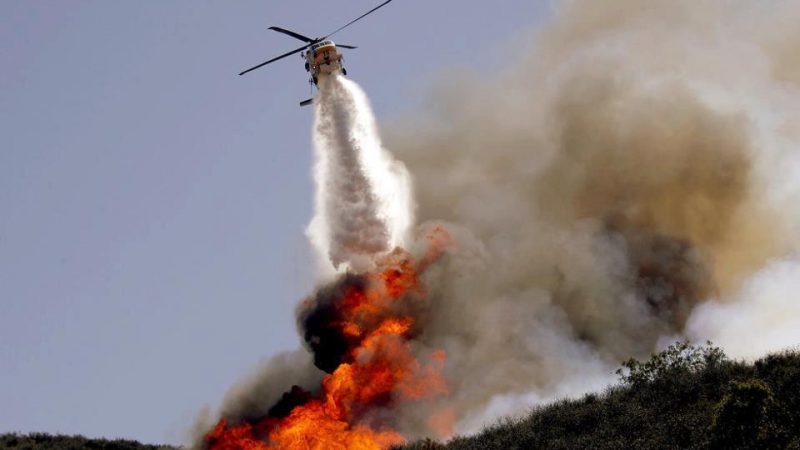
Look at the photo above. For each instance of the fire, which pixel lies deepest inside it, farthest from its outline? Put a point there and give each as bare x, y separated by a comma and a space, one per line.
378, 370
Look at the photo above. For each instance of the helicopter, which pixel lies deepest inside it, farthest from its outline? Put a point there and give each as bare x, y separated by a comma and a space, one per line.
321, 55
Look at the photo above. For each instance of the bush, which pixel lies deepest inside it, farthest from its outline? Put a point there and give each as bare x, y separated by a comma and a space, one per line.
742, 419
681, 357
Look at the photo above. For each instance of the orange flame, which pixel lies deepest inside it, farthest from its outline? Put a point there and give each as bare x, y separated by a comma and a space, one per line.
383, 371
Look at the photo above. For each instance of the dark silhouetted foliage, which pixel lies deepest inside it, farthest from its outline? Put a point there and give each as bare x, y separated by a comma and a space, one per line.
681, 357
744, 417
44, 441
685, 397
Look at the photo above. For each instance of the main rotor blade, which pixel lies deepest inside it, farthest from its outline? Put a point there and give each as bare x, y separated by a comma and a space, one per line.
277, 58
292, 34
351, 47
357, 19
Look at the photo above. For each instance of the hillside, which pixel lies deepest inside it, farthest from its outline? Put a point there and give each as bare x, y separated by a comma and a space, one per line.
682, 398
44, 441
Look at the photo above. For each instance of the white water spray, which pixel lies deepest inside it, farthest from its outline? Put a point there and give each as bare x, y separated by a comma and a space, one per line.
363, 199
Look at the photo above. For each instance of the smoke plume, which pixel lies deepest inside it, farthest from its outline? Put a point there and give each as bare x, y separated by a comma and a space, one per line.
634, 171
631, 178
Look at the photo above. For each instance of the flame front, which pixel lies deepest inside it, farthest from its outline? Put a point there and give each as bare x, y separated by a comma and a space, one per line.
380, 370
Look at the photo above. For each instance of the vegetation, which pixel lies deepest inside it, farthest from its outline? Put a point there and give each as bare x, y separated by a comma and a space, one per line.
685, 397
43, 441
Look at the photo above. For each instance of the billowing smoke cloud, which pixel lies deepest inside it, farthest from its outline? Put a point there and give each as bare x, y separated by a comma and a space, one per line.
363, 205
638, 160
631, 178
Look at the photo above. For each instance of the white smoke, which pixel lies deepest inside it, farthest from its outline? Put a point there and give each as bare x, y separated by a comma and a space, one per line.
363, 198
763, 317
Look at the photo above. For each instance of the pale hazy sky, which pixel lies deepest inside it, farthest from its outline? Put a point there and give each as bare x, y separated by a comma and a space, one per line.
152, 202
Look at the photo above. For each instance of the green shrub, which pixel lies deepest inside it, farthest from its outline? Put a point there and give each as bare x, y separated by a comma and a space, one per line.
742, 419
681, 357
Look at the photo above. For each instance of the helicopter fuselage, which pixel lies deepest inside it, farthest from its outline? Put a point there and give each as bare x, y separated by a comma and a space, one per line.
323, 58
